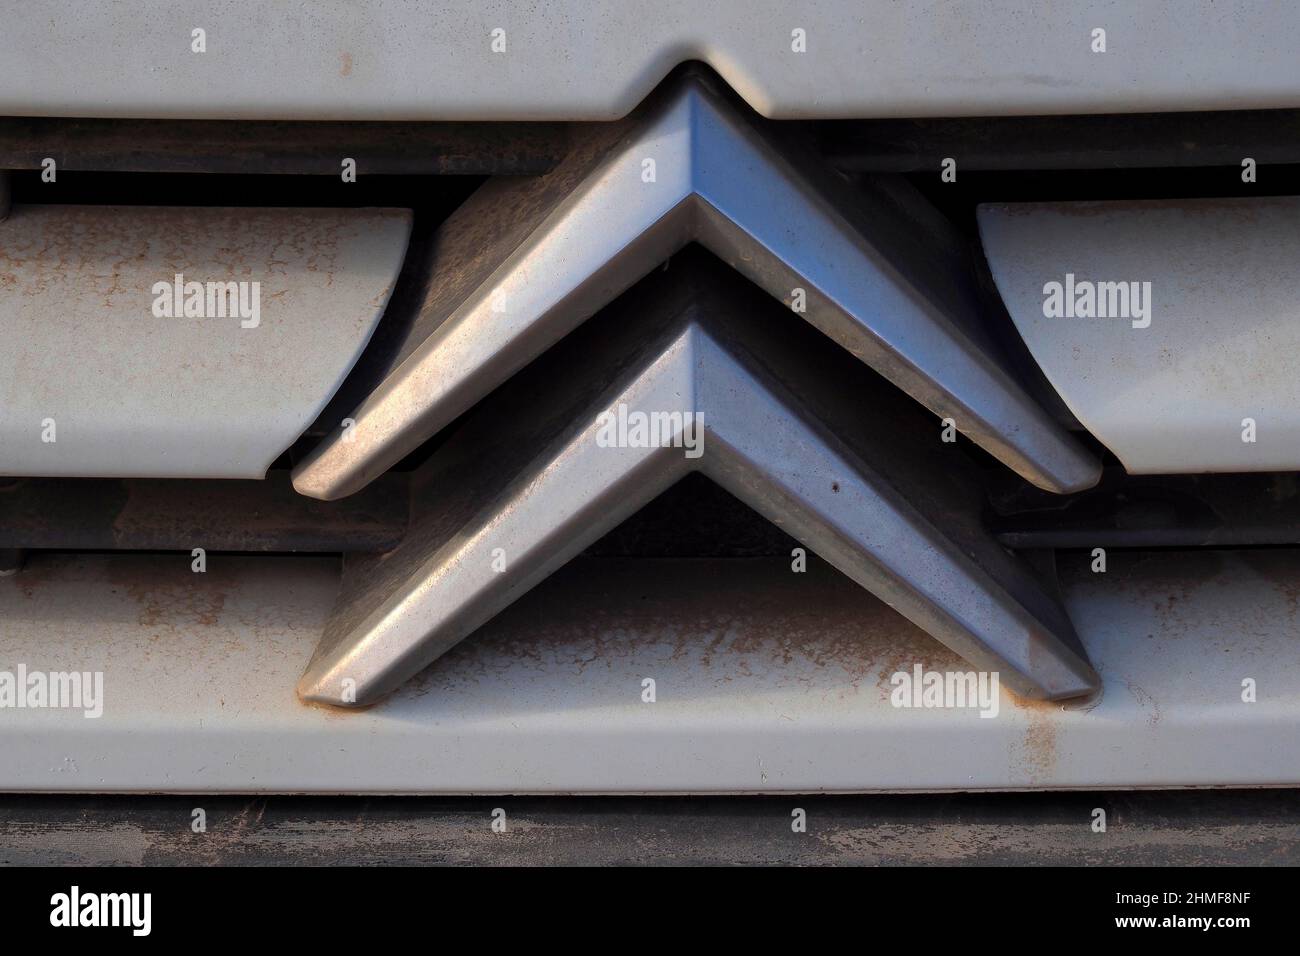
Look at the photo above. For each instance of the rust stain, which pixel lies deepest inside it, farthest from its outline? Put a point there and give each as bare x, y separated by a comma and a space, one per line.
109, 251
170, 597
731, 621
345, 64
1036, 753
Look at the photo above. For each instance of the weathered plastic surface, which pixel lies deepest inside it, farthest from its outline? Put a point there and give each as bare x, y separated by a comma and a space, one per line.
765, 681
1200, 372
94, 382
574, 59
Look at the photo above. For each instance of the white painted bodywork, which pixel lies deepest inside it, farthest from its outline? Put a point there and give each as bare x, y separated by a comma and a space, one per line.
765, 681
574, 59
1222, 348
132, 394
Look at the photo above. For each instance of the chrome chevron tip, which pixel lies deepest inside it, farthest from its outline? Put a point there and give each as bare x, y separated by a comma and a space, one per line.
522, 264
693, 385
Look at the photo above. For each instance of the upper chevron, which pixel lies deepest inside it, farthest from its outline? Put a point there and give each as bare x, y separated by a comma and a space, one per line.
523, 263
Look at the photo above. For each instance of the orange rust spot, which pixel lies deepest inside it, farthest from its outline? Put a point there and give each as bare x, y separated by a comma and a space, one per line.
173, 598
1039, 748
1036, 753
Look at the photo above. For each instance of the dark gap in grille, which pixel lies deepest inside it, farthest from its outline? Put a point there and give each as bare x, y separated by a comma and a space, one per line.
434, 197
957, 200
695, 518
287, 148
1103, 141
1117, 141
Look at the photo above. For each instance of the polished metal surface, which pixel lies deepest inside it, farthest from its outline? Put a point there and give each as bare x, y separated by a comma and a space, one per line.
525, 262
518, 491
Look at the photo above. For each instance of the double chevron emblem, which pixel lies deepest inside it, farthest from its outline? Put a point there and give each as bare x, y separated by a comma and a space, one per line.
739, 370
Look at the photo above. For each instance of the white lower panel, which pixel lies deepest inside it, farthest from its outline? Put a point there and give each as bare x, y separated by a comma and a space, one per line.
765, 681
